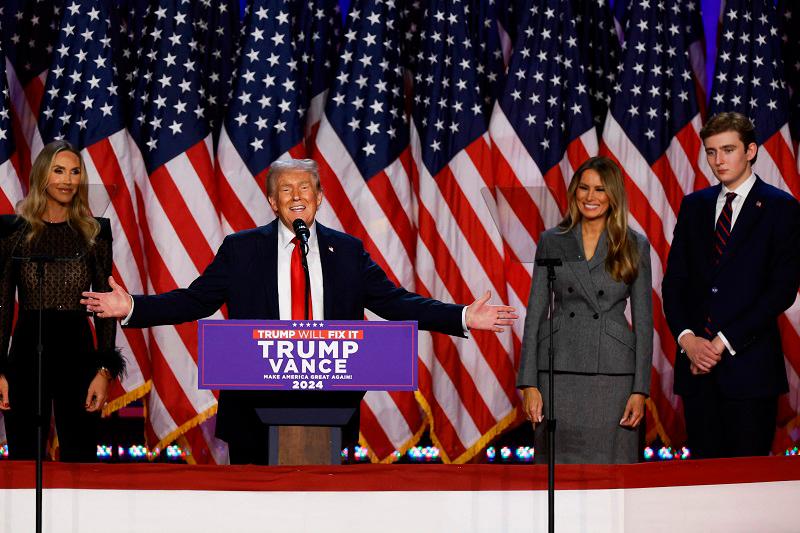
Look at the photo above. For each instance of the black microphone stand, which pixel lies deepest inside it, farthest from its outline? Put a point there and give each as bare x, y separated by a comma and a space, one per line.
39, 399
551, 265
40, 273
40, 261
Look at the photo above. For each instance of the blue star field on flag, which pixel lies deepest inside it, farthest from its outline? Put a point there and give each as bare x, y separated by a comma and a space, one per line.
600, 51
6, 133
655, 93
748, 77
546, 97
448, 101
170, 112
30, 28
317, 41
81, 93
266, 113
789, 18
366, 102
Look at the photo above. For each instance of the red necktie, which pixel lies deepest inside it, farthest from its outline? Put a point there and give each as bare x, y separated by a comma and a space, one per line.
299, 284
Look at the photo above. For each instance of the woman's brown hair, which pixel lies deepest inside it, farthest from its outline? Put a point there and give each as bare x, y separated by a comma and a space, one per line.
622, 261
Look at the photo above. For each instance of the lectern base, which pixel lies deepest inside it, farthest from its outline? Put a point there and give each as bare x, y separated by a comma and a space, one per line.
306, 435
305, 445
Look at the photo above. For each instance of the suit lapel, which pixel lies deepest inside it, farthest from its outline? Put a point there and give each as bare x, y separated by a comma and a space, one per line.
327, 259
268, 251
708, 219
572, 247
708, 223
754, 206
600, 253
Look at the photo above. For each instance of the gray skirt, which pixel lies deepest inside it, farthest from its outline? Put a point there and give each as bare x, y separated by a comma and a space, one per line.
588, 408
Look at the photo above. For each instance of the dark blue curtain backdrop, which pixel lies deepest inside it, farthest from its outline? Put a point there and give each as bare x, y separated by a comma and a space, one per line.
710, 10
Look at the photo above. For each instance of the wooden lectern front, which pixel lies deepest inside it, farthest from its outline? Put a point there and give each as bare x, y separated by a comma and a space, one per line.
305, 436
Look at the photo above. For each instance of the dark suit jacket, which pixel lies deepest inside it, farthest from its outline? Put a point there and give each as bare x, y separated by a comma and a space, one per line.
755, 281
244, 276
591, 333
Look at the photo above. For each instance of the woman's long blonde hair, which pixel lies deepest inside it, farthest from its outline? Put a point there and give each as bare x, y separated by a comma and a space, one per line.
622, 261
33, 206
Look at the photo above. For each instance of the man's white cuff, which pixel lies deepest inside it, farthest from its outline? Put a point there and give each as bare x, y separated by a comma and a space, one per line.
124, 321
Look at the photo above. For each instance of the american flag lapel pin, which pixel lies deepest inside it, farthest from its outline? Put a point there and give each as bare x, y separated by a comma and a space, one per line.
758, 203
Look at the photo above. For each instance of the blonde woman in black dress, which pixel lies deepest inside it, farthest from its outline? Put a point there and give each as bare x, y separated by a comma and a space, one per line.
54, 222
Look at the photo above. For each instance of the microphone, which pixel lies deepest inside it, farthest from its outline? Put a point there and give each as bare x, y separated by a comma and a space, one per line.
301, 231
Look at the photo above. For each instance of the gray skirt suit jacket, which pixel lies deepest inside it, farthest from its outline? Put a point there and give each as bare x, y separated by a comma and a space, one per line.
591, 333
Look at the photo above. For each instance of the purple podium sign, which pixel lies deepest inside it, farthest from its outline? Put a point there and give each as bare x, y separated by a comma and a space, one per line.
309, 355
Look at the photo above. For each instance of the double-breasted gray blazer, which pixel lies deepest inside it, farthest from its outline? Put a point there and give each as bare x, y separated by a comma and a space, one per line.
591, 333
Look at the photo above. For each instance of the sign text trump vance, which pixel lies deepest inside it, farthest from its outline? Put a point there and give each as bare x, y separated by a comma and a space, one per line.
308, 354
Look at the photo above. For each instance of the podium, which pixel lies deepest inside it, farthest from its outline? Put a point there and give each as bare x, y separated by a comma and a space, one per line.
305, 436
328, 355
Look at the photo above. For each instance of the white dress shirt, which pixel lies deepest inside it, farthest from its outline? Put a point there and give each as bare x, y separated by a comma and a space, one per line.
285, 249
741, 195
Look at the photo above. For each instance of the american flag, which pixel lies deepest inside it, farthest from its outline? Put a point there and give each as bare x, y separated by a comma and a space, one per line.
598, 44
317, 39
10, 184
29, 32
216, 30
692, 26
749, 79
790, 35
365, 163
265, 119
178, 220
80, 103
695, 37
652, 131
493, 47
541, 128
466, 386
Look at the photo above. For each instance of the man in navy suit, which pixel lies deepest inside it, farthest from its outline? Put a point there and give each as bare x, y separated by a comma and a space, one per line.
733, 268
253, 273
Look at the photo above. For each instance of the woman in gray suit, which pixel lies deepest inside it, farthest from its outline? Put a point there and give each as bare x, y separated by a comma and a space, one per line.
602, 366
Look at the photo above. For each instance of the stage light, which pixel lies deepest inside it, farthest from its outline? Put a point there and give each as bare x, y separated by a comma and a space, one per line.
427, 454
104, 452
176, 452
361, 453
524, 454
491, 453
4, 451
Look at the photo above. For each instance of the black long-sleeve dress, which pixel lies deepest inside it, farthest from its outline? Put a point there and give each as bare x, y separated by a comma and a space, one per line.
70, 356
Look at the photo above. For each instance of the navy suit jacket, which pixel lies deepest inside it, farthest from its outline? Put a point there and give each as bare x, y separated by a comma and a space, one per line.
244, 275
755, 280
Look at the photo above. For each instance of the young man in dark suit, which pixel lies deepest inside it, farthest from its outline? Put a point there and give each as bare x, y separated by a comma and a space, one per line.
254, 274
733, 268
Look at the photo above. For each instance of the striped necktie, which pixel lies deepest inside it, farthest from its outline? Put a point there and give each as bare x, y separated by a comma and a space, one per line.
722, 233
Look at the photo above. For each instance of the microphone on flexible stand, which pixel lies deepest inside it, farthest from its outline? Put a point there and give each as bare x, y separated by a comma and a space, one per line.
301, 231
